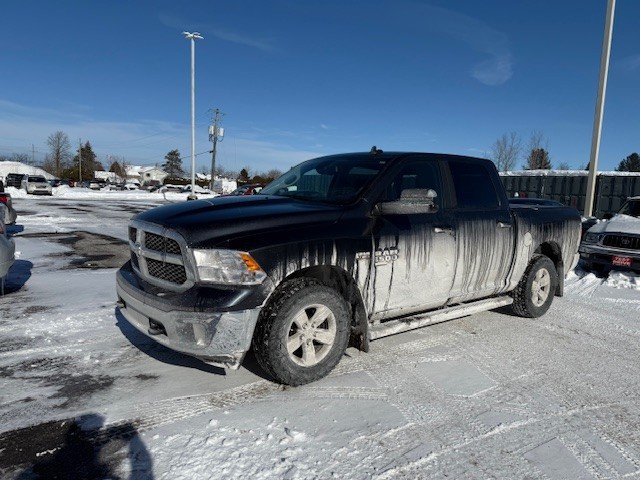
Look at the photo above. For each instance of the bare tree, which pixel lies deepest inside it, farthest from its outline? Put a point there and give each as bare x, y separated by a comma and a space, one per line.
506, 150
20, 157
273, 173
564, 166
59, 151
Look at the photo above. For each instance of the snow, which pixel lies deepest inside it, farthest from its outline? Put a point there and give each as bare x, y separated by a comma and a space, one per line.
22, 168
78, 193
489, 395
618, 223
565, 173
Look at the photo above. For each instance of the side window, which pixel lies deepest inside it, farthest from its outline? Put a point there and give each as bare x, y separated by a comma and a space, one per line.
473, 185
416, 174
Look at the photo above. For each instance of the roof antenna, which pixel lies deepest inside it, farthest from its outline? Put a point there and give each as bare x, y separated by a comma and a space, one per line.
375, 150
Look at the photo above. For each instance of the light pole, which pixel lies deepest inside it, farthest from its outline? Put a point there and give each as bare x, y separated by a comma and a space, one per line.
193, 36
597, 120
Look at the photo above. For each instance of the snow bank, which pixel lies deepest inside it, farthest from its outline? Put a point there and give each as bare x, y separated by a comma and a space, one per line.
618, 279
77, 193
16, 192
22, 168
564, 173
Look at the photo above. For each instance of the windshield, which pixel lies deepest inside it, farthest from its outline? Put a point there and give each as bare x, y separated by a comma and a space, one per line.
631, 207
37, 179
327, 179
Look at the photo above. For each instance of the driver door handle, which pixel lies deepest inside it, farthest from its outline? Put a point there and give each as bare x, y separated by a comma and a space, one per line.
504, 225
447, 230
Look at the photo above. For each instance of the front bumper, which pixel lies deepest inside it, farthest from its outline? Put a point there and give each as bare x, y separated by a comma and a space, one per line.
221, 338
601, 255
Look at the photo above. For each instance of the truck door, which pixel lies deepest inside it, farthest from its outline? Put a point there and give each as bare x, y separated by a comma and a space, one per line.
485, 231
413, 252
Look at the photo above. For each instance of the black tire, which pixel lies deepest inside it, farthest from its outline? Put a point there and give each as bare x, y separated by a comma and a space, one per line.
523, 304
274, 324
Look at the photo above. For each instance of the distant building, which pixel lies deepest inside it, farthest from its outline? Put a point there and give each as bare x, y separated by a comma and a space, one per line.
107, 176
145, 175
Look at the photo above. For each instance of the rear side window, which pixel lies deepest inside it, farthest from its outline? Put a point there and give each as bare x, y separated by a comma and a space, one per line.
420, 174
474, 188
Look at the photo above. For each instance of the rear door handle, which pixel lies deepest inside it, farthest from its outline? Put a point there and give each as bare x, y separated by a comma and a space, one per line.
448, 230
504, 225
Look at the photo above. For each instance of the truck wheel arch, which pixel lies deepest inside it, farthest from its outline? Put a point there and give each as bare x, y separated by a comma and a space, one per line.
554, 252
339, 279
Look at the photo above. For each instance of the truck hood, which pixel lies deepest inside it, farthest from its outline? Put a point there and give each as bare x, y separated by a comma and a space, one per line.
619, 224
211, 222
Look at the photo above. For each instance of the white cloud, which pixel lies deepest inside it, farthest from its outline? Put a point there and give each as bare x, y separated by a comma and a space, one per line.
630, 63
478, 35
264, 44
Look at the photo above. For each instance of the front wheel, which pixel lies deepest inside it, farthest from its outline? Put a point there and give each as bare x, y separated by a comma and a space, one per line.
302, 333
534, 294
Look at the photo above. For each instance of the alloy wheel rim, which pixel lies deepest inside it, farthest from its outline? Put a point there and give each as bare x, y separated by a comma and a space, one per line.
540, 287
311, 334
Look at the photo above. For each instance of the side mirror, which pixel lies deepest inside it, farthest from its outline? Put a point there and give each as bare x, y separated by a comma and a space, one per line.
412, 201
607, 216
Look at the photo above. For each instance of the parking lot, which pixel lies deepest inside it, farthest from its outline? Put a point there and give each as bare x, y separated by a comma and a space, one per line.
491, 395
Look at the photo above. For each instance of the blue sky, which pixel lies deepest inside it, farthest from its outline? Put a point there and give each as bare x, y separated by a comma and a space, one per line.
298, 79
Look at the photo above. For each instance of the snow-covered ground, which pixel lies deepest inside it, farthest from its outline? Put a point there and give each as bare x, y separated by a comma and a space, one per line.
491, 395
77, 193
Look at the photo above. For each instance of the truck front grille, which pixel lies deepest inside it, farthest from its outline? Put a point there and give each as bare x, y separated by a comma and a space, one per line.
161, 244
156, 256
626, 242
169, 272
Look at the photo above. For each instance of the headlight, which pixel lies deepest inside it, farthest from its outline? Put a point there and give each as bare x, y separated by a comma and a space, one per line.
591, 238
229, 267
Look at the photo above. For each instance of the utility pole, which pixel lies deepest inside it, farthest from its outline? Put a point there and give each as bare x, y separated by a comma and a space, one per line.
597, 120
33, 154
193, 36
215, 132
80, 160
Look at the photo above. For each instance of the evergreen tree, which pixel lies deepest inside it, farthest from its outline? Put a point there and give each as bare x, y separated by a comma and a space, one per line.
538, 159
173, 164
243, 177
630, 164
90, 164
117, 168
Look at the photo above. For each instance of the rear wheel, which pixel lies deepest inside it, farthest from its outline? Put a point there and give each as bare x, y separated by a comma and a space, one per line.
534, 294
302, 333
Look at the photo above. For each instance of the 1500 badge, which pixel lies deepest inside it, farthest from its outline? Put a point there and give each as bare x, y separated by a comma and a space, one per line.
382, 256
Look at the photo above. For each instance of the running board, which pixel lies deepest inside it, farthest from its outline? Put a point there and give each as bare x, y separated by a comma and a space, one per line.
423, 319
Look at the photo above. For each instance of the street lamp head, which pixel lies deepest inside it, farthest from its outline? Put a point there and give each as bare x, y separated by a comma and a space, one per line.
193, 36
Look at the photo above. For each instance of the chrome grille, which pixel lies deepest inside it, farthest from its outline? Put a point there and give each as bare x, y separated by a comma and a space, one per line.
156, 256
169, 272
161, 244
622, 241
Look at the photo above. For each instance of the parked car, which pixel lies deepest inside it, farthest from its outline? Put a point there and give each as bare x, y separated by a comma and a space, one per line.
339, 251
10, 214
198, 190
97, 184
251, 189
173, 188
615, 241
7, 248
36, 185
14, 180
130, 186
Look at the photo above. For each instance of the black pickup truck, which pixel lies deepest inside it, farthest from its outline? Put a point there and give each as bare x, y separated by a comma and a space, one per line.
338, 251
